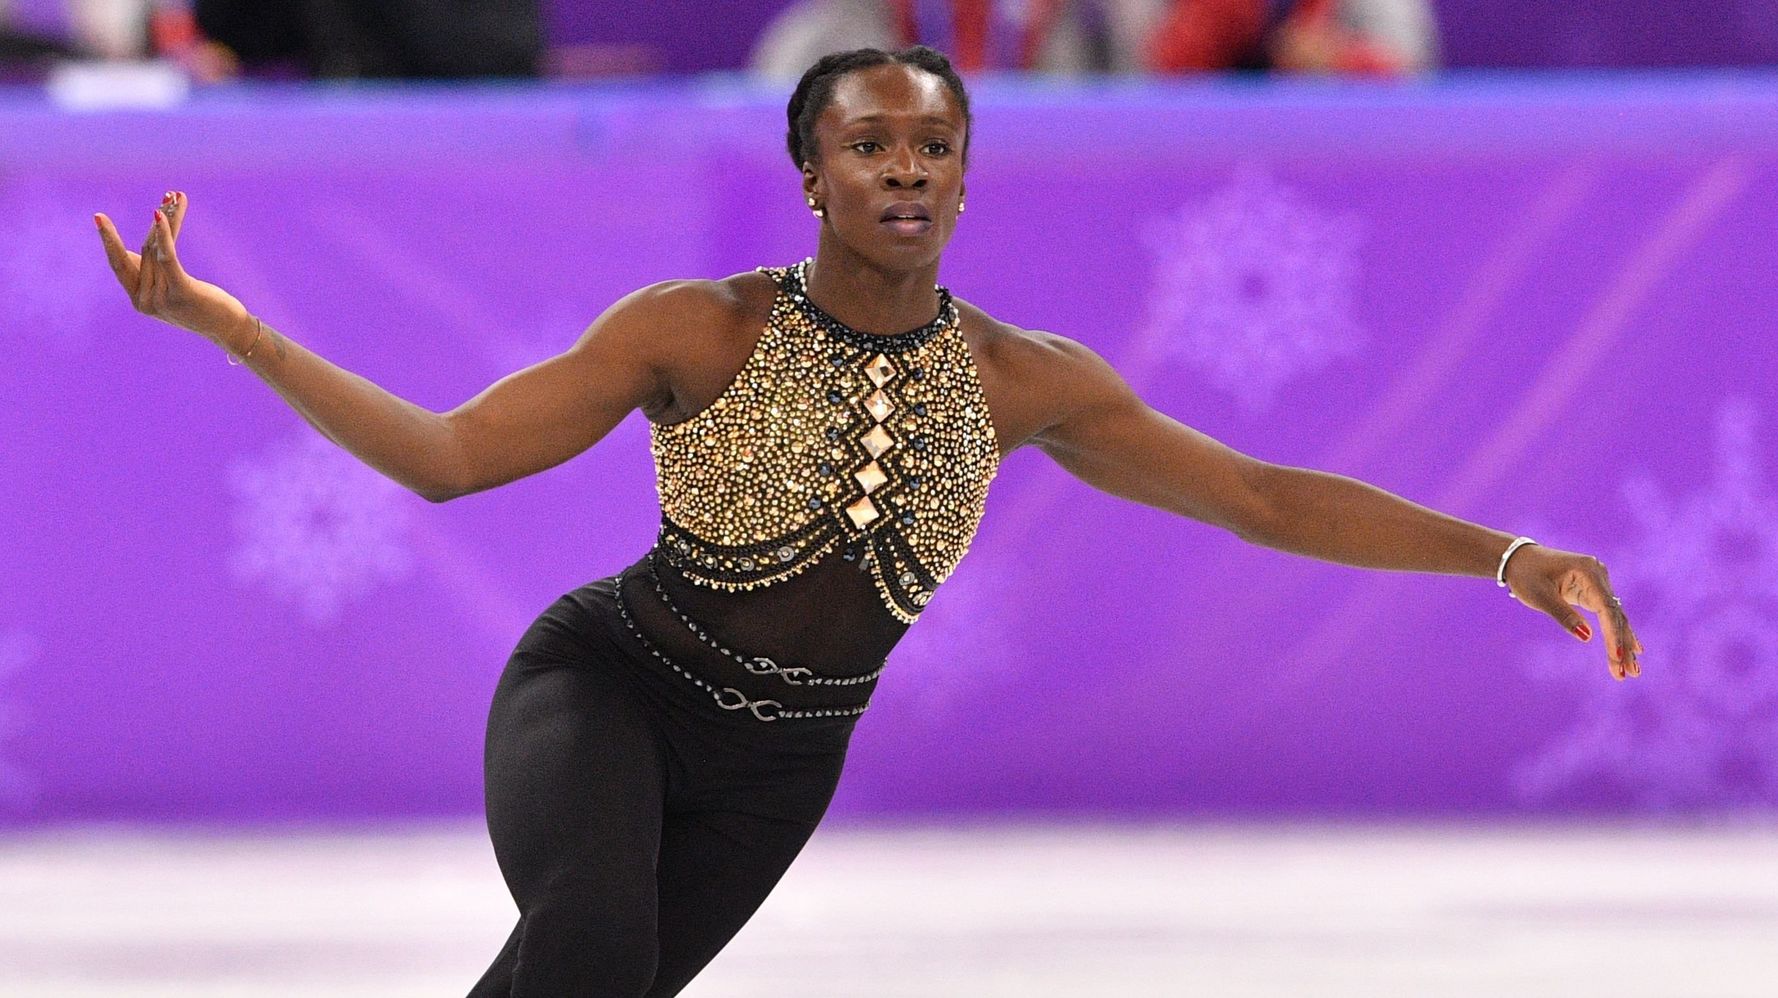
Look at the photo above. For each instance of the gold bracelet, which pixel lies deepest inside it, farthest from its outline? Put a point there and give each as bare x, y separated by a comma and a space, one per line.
258, 327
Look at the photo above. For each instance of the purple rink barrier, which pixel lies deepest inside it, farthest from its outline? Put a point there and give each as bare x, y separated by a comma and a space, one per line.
1543, 306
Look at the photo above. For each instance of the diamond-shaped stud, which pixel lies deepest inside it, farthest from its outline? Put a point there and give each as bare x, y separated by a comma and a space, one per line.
870, 476
862, 512
877, 441
879, 370
879, 406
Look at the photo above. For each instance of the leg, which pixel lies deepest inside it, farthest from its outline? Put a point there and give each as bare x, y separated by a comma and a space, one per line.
716, 868
496, 981
575, 784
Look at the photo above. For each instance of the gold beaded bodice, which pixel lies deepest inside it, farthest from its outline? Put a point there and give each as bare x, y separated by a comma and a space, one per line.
831, 439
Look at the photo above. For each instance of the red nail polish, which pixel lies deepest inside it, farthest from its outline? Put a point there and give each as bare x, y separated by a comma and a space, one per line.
1584, 631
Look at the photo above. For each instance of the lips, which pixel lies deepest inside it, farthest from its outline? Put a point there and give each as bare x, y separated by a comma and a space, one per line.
907, 218
903, 210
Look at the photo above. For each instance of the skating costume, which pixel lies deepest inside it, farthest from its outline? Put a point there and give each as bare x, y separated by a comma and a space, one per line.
663, 741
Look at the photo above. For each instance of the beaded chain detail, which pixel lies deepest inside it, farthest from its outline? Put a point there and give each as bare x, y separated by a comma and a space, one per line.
727, 697
831, 438
759, 665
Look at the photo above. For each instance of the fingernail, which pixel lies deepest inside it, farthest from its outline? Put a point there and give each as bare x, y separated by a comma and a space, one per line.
1583, 631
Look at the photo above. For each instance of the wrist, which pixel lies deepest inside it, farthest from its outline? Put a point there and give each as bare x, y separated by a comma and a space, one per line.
1514, 552
239, 335
244, 339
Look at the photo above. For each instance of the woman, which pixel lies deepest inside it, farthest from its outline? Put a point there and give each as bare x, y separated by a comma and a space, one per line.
663, 741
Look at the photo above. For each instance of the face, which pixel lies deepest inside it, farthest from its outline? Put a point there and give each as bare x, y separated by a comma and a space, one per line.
889, 166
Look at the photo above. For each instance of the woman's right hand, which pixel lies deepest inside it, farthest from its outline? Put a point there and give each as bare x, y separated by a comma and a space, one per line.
160, 287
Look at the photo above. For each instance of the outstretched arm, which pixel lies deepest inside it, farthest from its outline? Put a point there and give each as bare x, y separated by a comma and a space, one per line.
524, 423
1101, 432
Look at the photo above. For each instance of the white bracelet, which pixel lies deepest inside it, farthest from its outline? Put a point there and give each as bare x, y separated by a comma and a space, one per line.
258, 330
1500, 574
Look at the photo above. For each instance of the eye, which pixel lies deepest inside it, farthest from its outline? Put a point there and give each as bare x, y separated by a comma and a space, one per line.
937, 148
867, 142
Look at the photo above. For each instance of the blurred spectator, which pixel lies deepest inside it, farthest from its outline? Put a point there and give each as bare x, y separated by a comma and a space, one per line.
382, 38
111, 30
1382, 37
104, 29
1050, 36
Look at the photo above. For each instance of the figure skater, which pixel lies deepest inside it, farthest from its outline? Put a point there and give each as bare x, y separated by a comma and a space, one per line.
663, 741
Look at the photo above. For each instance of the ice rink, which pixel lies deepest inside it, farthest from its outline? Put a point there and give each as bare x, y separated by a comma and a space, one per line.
995, 910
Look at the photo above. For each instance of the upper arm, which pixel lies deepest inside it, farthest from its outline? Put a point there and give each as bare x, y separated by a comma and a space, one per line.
1104, 434
540, 416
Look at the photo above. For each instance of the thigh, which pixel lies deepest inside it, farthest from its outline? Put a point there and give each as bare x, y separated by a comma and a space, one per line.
717, 865
574, 772
716, 868
575, 784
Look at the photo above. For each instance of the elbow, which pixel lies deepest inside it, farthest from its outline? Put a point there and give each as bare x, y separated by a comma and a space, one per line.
440, 488
448, 474
1256, 518
443, 490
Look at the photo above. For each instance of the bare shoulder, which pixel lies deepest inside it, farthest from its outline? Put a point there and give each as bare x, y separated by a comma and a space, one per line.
688, 308
1033, 379
693, 335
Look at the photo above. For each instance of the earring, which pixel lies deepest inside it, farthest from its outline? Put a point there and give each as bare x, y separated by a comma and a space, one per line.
959, 206
819, 212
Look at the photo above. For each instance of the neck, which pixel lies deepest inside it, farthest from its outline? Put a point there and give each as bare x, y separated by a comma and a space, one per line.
868, 298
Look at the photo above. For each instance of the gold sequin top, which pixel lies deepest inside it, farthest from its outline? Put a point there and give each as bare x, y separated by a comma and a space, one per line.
831, 439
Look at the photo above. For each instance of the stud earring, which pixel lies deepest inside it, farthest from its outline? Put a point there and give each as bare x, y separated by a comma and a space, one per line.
959, 206
819, 212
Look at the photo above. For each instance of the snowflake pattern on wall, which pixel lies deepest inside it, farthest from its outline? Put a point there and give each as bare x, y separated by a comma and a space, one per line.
53, 274
1699, 729
1253, 286
18, 791
316, 526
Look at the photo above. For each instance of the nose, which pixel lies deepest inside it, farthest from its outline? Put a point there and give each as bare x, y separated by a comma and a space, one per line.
905, 171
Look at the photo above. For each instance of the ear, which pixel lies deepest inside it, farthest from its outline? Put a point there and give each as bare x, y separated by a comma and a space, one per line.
811, 180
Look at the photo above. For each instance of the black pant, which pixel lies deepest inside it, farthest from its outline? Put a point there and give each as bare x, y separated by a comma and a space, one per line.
638, 825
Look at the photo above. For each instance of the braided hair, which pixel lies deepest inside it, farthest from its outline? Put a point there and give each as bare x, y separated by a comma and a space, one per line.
815, 91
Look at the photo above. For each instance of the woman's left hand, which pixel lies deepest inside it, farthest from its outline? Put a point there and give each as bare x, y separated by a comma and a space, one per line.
1556, 581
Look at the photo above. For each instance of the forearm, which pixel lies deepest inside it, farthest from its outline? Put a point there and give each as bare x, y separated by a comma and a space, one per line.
410, 444
1340, 519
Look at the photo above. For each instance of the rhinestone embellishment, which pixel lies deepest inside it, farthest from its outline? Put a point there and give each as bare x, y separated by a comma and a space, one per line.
862, 512
828, 439
877, 441
729, 698
879, 406
870, 477
880, 370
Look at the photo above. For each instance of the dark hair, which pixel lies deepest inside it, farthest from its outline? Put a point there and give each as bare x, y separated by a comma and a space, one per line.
815, 91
